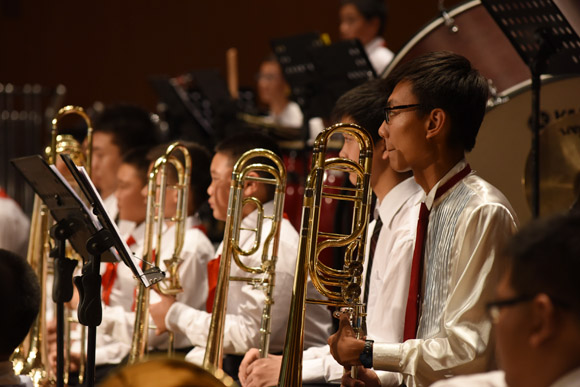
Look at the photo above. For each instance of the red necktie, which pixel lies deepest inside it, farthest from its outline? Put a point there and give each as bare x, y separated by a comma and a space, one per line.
414, 298
213, 269
3, 194
110, 275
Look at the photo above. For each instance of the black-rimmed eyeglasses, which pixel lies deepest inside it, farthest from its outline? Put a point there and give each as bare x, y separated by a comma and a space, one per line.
389, 111
493, 308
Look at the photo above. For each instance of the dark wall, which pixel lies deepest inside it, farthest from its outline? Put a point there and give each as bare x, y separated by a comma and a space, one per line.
106, 50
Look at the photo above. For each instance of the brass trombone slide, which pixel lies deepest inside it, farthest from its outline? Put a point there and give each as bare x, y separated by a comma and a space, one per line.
155, 224
276, 175
341, 287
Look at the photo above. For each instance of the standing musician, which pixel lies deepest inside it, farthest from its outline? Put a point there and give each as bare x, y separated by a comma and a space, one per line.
432, 118
392, 233
245, 302
365, 20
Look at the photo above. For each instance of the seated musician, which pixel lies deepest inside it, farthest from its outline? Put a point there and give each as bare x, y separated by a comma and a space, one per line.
392, 233
432, 118
365, 20
14, 227
536, 310
114, 335
244, 301
117, 129
20, 302
274, 92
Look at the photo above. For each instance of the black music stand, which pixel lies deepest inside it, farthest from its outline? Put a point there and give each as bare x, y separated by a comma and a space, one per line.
548, 43
340, 67
319, 72
92, 237
294, 58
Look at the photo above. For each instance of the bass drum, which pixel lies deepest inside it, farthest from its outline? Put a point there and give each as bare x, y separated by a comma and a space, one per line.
504, 140
475, 35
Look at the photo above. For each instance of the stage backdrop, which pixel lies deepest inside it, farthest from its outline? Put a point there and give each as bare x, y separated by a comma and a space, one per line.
106, 50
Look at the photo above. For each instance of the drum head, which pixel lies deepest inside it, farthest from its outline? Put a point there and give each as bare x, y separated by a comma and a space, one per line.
478, 38
504, 141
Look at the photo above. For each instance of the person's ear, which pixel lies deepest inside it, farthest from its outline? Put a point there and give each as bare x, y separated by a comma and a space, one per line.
436, 123
375, 23
544, 321
251, 187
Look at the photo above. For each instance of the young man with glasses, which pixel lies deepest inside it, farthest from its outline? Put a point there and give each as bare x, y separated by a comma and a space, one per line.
389, 246
536, 311
431, 121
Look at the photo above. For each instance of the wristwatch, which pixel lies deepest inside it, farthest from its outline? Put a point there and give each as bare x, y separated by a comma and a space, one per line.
366, 356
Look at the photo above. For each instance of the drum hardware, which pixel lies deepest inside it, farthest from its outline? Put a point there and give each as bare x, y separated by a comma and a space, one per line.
559, 166
449, 21
494, 98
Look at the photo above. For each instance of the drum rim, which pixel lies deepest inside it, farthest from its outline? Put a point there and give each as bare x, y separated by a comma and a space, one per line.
525, 86
424, 31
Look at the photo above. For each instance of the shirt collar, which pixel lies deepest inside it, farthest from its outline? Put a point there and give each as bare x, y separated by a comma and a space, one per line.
430, 197
396, 198
375, 43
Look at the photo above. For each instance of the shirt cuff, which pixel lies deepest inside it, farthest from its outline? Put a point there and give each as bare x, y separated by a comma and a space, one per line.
389, 379
177, 317
387, 357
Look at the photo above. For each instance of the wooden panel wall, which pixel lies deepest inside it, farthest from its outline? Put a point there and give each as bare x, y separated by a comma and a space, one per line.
106, 50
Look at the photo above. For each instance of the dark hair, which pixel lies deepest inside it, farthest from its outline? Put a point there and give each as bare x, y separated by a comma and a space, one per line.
365, 105
130, 126
448, 81
371, 9
236, 145
200, 178
137, 158
19, 300
545, 258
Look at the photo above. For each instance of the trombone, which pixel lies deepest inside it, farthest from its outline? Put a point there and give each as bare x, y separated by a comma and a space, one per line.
34, 362
341, 287
246, 168
154, 227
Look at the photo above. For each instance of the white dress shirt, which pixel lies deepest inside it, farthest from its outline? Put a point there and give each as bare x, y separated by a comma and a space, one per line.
110, 204
379, 55
114, 335
497, 379
290, 117
468, 227
389, 282
14, 227
245, 302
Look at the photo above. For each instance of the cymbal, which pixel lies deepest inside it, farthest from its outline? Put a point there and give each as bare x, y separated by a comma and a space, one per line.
559, 166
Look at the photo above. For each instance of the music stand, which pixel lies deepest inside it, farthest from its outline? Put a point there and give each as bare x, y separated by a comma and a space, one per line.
296, 62
340, 67
92, 237
548, 43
